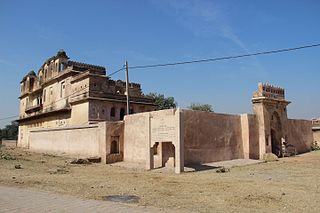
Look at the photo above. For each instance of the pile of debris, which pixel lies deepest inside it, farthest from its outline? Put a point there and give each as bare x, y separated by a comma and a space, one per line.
86, 160
6, 156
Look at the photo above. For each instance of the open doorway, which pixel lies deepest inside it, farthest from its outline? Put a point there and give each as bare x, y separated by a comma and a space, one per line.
276, 134
168, 155
163, 155
275, 144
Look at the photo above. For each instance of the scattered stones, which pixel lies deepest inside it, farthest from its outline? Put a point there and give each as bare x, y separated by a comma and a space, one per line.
48, 155
223, 170
17, 166
62, 171
6, 156
80, 161
122, 198
269, 157
59, 171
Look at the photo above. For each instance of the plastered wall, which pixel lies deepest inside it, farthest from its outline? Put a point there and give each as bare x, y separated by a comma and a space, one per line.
253, 137
57, 120
210, 137
299, 134
80, 141
136, 136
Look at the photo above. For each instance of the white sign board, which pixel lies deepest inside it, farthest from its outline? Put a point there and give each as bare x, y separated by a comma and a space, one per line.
163, 129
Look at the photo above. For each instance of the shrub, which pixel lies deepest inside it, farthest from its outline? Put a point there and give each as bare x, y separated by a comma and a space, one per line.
315, 146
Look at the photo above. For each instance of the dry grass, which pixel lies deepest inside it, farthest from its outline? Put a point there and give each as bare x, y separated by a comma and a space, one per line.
288, 185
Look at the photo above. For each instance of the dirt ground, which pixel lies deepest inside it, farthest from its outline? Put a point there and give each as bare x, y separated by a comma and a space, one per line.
287, 185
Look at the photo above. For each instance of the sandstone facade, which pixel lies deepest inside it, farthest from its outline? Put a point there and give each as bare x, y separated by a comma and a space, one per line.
67, 93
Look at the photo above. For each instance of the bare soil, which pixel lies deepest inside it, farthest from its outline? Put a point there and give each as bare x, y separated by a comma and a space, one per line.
288, 185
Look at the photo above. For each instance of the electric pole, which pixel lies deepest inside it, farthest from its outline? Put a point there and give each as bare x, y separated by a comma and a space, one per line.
127, 87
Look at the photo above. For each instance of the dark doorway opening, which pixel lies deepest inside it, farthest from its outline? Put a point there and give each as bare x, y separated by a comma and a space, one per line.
275, 143
114, 149
122, 113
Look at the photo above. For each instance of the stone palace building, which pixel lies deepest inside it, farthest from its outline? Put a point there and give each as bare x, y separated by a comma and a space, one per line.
68, 93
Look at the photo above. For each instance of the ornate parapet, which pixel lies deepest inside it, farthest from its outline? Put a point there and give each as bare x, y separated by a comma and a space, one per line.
269, 91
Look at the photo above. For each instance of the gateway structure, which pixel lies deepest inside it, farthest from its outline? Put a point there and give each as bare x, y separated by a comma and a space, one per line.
177, 137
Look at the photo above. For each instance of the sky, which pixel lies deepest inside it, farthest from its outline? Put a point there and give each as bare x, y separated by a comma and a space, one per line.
150, 32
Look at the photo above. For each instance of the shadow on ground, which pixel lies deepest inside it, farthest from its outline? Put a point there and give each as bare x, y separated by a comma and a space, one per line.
201, 167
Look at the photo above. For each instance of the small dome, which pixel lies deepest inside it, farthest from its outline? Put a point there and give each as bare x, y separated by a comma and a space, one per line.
62, 53
31, 73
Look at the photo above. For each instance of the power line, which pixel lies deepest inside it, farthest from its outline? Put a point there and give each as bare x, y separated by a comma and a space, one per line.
6, 118
225, 57
191, 62
115, 72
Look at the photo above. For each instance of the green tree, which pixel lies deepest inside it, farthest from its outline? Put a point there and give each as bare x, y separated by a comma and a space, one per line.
163, 102
201, 107
10, 131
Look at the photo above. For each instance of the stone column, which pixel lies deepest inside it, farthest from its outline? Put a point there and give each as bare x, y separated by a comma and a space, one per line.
259, 111
103, 141
179, 144
245, 131
149, 154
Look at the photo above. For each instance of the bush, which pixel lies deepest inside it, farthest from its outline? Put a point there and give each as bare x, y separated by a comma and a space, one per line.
315, 146
201, 107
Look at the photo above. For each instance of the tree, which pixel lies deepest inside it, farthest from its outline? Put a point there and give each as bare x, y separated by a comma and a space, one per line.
10, 131
201, 107
163, 102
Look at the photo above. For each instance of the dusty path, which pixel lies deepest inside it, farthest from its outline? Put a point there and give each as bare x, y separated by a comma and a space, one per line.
287, 185
15, 200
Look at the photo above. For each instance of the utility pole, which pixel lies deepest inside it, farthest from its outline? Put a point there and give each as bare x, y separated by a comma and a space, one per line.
127, 87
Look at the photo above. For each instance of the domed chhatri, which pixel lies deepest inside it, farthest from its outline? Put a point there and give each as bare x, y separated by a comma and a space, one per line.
31, 73
62, 53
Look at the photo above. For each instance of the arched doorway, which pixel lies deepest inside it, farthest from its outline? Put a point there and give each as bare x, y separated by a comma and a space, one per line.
168, 155
163, 155
276, 134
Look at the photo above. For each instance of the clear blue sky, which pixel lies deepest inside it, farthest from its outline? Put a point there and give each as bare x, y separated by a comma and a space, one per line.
145, 32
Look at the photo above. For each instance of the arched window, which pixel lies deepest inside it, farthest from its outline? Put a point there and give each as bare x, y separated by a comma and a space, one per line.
114, 149
61, 67
113, 112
